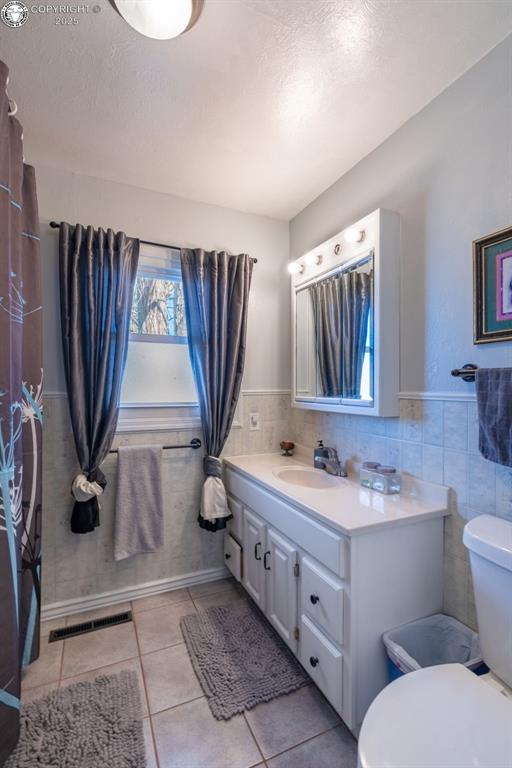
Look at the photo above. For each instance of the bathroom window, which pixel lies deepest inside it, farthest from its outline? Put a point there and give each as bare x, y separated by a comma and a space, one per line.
158, 370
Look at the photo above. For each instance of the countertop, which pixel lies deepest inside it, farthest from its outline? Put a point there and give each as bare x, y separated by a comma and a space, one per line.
346, 506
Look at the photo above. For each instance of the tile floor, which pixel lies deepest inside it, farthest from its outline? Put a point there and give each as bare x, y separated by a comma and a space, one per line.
300, 730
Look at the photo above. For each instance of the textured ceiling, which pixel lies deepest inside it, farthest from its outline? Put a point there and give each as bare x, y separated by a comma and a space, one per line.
260, 107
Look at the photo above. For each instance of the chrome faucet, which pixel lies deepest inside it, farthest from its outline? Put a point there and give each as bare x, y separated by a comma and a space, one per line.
328, 459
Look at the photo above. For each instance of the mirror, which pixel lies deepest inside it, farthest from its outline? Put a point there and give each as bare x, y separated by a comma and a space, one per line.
345, 320
334, 335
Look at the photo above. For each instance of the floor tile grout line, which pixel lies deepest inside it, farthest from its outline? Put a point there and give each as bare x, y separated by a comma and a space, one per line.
165, 648
175, 706
98, 669
254, 737
162, 605
300, 743
155, 751
155, 650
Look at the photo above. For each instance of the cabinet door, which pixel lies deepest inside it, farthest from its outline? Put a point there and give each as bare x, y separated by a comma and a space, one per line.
253, 546
235, 524
279, 561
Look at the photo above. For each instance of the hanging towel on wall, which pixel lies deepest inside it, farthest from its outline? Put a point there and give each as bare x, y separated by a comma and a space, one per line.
494, 400
139, 503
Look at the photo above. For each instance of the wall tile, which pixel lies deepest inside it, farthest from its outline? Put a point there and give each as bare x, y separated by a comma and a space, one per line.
504, 491
433, 463
433, 422
412, 459
482, 485
436, 440
455, 425
456, 473
472, 428
411, 425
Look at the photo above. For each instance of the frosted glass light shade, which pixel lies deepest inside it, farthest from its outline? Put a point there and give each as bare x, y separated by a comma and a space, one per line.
160, 19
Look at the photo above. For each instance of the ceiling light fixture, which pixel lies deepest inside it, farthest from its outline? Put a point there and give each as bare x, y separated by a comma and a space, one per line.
160, 19
313, 259
295, 268
354, 235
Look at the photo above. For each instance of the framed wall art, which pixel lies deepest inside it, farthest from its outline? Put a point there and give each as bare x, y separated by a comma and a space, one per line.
492, 276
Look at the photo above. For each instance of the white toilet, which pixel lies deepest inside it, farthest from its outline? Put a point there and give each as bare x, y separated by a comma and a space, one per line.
446, 716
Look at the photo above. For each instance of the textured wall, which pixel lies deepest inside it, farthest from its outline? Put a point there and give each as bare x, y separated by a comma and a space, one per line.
81, 565
174, 220
448, 173
436, 440
76, 566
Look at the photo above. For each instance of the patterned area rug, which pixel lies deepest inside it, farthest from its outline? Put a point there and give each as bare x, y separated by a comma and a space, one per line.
86, 725
239, 659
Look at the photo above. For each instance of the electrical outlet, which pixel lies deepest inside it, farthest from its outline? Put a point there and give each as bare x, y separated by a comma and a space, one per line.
254, 421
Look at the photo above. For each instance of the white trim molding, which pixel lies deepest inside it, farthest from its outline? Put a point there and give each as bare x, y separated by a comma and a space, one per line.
143, 423
91, 602
263, 392
464, 397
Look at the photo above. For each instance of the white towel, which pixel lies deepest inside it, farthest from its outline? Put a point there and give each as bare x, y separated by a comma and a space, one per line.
139, 502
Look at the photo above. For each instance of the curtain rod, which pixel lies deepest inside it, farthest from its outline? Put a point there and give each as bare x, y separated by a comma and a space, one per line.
56, 225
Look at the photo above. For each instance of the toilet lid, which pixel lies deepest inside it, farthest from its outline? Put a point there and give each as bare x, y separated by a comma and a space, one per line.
438, 717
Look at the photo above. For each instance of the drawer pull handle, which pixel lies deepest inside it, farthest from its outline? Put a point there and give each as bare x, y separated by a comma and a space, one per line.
227, 556
314, 599
256, 555
313, 660
265, 565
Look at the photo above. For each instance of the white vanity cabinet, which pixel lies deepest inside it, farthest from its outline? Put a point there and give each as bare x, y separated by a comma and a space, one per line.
331, 594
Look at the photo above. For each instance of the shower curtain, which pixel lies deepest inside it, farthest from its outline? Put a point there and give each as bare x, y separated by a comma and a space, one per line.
20, 420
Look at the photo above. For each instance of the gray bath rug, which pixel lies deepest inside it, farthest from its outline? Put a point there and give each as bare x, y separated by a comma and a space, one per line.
86, 725
239, 659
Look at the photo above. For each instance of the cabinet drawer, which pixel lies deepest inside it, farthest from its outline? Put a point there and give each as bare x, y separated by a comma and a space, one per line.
235, 526
322, 598
322, 661
233, 556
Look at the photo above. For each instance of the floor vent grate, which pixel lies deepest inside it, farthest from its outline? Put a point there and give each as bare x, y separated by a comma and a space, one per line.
89, 626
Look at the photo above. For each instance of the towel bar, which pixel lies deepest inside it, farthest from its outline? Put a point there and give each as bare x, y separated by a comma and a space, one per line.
195, 443
467, 372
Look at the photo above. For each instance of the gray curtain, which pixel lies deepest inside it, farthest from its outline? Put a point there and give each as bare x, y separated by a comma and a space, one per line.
97, 275
216, 289
20, 420
341, 306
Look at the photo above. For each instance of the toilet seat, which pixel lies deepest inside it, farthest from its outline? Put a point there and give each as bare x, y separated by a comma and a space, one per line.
438, 717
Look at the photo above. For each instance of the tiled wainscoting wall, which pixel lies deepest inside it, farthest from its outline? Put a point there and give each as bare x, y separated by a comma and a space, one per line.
436, 440
76, 566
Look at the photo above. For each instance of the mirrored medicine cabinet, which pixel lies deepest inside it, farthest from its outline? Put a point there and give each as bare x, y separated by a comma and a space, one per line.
345, 320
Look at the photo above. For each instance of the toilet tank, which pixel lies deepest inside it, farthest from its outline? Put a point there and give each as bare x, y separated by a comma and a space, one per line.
489, 541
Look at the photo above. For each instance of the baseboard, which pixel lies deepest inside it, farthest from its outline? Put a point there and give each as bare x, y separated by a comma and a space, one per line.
90, 602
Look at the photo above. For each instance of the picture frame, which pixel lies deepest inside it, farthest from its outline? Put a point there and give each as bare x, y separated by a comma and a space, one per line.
492, 287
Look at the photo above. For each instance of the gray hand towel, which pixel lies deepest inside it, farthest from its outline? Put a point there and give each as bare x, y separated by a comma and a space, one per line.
494, 400
139, 503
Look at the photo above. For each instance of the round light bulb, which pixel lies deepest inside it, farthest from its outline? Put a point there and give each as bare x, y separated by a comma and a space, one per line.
312, 259
160, 19
295, 268
354, 235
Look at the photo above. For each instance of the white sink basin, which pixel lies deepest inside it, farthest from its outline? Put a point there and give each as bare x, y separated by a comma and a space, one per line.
306, 477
